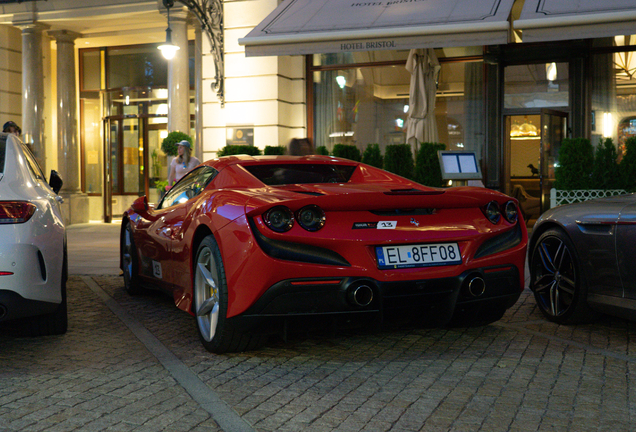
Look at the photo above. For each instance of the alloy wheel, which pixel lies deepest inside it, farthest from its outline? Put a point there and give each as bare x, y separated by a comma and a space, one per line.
127, 253
554, 276
206, 294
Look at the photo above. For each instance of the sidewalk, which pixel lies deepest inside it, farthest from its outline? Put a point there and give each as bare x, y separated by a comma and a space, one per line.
93, 249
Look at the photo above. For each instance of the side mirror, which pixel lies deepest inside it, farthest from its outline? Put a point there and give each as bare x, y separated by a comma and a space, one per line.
140, 205
55, 181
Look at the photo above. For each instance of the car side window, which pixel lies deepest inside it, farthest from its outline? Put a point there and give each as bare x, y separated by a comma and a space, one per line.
191, 185
32, 163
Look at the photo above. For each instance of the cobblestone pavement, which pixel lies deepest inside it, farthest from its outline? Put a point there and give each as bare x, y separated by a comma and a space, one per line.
135, 364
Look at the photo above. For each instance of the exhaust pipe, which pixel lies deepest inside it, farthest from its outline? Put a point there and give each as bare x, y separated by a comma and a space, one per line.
360, 295
3, 311
476, 286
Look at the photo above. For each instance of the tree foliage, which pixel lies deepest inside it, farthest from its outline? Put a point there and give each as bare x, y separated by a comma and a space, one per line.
169, 143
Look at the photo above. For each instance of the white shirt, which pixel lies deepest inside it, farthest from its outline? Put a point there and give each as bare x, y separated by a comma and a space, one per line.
180, 169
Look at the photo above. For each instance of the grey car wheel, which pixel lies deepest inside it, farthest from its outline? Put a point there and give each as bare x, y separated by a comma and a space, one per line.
555, 279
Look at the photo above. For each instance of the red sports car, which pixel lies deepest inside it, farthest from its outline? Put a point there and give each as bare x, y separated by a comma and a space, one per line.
248, 245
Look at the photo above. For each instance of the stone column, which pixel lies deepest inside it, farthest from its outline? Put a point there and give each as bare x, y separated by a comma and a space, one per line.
33, 89
68, 155
198, 91
178, 75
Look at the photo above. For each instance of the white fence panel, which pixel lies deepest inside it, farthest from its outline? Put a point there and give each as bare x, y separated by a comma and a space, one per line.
559, 197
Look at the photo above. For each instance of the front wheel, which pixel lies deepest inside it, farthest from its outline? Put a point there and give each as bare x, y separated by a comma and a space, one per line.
556, 280
211, 303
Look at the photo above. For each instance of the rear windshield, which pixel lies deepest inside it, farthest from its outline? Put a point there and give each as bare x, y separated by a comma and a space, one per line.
282, 174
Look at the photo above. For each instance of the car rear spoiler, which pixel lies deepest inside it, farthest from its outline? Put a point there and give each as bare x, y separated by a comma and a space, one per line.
383, 201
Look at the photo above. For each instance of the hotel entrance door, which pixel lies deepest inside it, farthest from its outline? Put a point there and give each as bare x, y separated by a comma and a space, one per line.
531, 154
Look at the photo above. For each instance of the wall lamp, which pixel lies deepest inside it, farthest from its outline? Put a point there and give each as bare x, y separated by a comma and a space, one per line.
168, 49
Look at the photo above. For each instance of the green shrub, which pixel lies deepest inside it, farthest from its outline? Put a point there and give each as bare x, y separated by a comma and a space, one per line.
347, 151
239, 149
576, 157
169, 143
322, 150
627, 166
373, 156
398, 159
605, 174
274, 150
427, 169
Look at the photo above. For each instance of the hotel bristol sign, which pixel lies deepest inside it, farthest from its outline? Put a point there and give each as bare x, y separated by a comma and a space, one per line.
314, 26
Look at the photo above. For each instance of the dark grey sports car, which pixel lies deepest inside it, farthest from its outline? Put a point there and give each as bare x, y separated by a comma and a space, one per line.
583, 260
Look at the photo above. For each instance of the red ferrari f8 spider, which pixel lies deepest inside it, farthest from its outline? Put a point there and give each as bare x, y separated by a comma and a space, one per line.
248, 245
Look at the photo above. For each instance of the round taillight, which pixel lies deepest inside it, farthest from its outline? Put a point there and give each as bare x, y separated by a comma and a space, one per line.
279, 219
311, 217
510, 212
492, 212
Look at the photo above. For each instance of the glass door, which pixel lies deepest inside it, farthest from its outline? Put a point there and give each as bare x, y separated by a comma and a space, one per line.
158, 162
554, 126
531, 154
111, 140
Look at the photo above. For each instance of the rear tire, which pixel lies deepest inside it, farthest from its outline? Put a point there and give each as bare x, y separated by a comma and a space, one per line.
130, 262
211, 302
55, 323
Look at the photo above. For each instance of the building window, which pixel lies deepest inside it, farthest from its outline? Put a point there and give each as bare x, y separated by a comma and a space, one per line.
541, 85
363, 98
613, 90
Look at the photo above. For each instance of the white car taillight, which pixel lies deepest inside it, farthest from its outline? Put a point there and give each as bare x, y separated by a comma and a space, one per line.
15, 212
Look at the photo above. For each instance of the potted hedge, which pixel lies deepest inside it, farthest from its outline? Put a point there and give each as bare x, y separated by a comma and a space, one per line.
373, 156
398, 159
427, 169
627, 165
274, 150
605, 172
232, 149
322, 150
576, 156
347, 151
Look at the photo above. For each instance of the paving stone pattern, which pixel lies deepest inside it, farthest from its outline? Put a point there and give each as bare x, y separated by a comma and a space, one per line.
520, 374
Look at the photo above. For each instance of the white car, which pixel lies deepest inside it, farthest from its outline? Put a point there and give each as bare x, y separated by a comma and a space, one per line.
33, 263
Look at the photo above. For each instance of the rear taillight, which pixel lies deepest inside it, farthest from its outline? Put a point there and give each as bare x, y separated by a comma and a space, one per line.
15, 212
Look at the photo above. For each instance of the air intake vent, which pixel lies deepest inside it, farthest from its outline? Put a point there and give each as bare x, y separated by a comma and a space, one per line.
309, 193
42, 265
413, 191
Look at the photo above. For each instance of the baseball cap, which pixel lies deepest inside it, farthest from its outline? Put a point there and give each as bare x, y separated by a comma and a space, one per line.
10, 124
184, 143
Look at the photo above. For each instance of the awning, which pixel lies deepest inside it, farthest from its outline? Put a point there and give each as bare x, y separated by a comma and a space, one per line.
331, 26
548, 20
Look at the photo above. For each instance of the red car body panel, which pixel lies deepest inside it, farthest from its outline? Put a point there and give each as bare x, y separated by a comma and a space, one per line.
232, 205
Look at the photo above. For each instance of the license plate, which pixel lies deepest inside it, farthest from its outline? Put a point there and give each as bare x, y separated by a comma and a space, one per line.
419, 255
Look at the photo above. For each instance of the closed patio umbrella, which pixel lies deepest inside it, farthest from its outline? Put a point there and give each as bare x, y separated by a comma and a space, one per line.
420, 122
